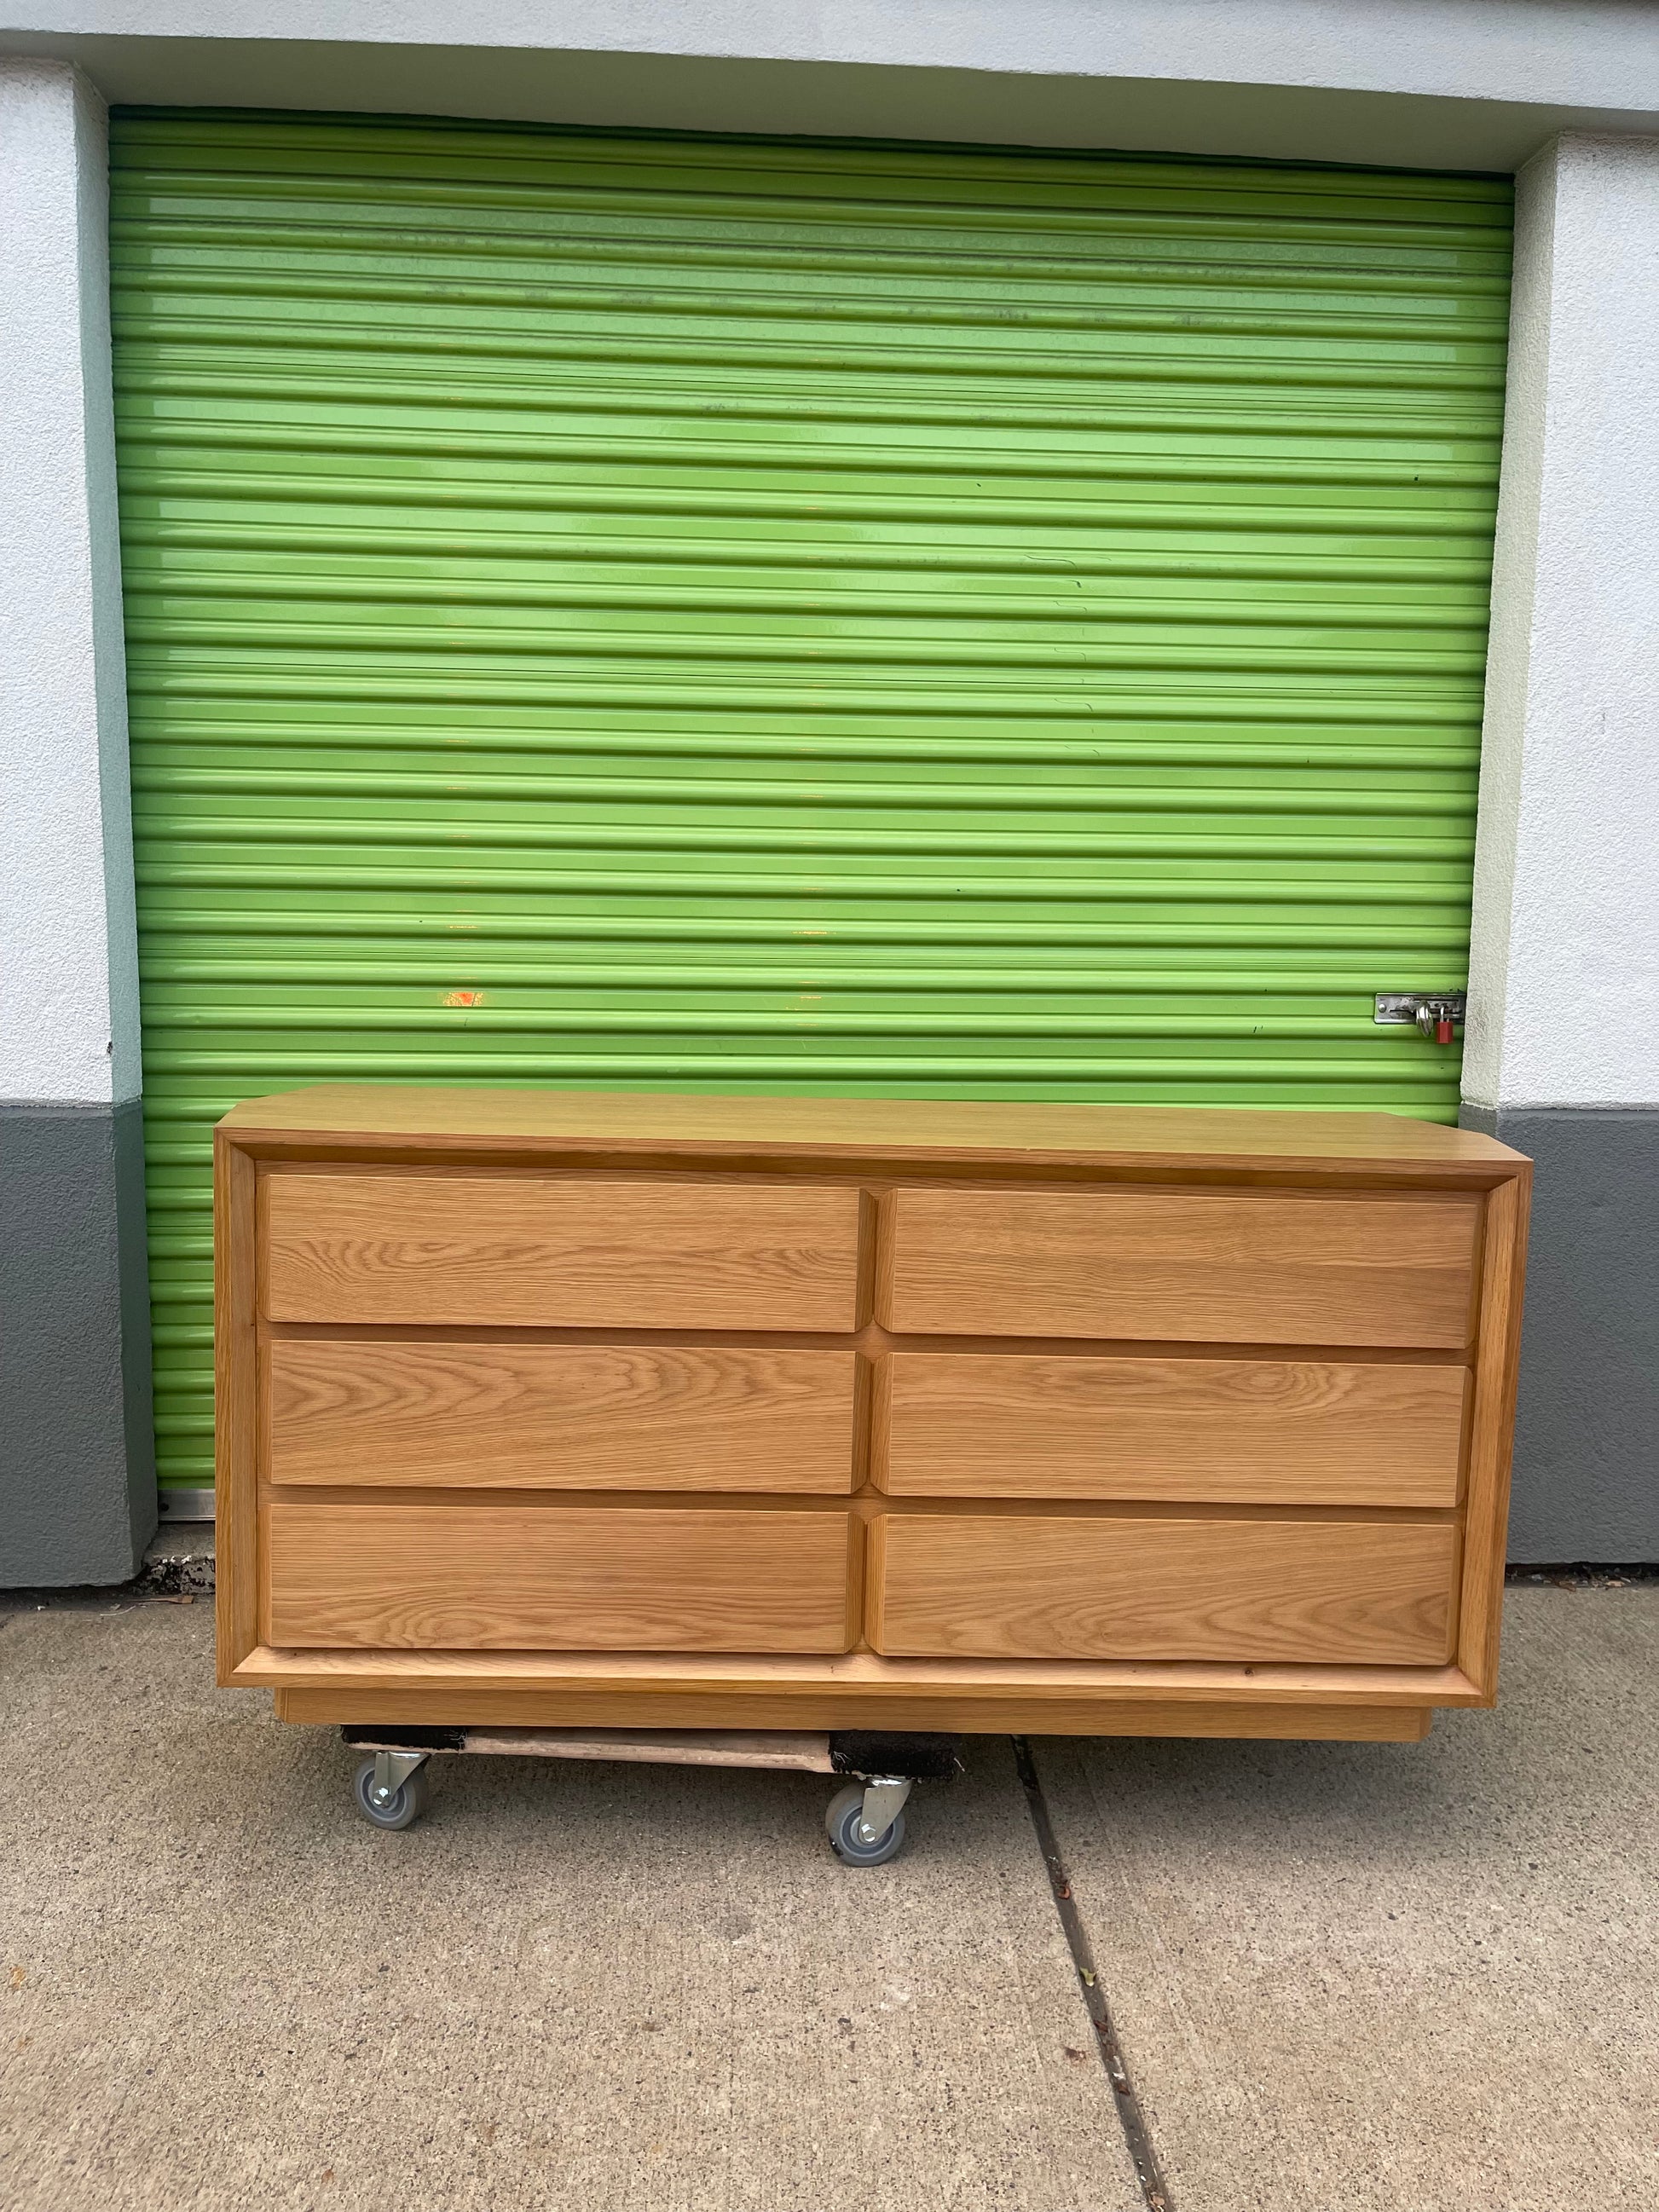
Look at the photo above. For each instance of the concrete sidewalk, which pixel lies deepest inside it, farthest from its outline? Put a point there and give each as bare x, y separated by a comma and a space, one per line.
1343, 1976
1397, 1977
650, 1989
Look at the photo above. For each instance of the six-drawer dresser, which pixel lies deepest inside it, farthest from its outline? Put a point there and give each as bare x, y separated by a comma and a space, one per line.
547, 1409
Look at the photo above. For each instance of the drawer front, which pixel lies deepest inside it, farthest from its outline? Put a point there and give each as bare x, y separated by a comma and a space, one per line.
1186, 1266
562, 1253
596, 1417
1260, 1431
1003, 1586
491, 1577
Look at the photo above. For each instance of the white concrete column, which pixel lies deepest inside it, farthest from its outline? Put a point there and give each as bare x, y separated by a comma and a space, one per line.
1565, 960
69, 969
1562, 1055
77, 1487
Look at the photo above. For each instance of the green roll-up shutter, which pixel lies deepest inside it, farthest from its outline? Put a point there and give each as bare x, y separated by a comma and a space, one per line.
618, 611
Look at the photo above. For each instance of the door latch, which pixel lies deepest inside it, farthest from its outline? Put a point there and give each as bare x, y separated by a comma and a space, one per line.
1436, 1013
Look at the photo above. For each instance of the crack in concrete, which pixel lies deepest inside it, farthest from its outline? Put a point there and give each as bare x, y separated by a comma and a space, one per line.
1126, 2103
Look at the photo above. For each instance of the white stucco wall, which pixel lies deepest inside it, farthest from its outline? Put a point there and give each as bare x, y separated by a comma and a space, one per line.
1566, 979
1565, 965
68, 1000
1470, 83
1597, 51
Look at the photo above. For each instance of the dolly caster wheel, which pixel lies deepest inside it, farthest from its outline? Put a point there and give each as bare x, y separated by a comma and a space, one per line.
390, 1800
855, 1837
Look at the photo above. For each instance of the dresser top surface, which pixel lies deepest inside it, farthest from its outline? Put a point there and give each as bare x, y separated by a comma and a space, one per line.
657, 1122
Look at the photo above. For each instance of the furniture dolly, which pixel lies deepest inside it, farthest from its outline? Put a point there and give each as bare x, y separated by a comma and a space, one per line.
864, 1820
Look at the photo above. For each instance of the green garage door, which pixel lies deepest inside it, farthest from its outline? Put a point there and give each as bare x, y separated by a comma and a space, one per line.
625, 611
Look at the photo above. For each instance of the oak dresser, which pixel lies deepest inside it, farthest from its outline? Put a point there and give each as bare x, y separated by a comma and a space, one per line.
546, 1408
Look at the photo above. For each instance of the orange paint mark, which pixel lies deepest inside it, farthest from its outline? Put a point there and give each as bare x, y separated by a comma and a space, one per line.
464, 998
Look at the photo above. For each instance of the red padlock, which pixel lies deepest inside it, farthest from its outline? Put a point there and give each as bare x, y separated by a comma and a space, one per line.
1435, 1018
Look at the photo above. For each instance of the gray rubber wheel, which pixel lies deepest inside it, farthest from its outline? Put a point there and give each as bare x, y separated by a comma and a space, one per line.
846, 1811
405, 1805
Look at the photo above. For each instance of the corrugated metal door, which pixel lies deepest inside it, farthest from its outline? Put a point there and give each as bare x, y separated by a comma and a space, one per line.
634, 611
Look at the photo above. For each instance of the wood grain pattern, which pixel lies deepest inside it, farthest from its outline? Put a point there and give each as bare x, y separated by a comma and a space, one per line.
801, 1709
479, 1576
560, 1252
1222, 1481
1503, 1283
1027, 1424
1241, 1589
236, 1518
1184, 1266
935, 1132
600, 1416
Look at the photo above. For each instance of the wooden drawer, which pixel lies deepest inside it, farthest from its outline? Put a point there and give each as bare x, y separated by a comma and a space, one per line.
551, 1416
1007, 1586
1265, 1432
562, 1252
1227, 1267
493, 1577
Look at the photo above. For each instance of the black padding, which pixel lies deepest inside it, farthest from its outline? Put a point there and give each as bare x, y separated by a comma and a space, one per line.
879, 1751
405, 1739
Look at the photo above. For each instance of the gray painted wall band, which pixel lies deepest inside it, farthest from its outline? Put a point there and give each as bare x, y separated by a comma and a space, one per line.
77, 1454
1587, 1428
